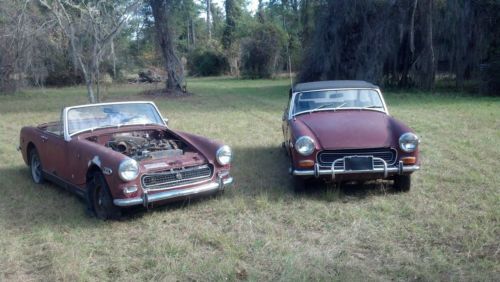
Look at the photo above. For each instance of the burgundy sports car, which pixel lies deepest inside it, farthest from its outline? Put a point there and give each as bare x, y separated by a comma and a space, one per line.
123, 154
342, 131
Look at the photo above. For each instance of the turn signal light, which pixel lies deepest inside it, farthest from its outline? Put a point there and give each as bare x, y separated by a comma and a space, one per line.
306, 163
129, 190
409, 160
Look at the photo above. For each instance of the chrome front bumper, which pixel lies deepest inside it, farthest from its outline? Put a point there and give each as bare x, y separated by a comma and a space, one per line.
170, 194
332, 171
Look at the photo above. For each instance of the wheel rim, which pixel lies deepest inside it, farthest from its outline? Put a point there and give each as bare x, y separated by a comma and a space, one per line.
99, 200
36, 167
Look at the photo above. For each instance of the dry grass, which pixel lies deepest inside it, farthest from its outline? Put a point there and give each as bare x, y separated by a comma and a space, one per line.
446, 228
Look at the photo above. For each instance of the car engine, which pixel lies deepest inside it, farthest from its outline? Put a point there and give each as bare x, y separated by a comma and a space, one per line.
141, 145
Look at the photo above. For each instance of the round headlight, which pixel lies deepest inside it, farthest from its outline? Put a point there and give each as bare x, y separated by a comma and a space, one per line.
408, 142
128, 170
304, 145
224, 155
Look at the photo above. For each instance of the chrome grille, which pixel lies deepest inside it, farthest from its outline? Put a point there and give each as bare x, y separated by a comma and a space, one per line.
176, 177
326, 158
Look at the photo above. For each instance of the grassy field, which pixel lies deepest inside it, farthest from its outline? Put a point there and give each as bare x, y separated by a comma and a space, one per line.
446, 228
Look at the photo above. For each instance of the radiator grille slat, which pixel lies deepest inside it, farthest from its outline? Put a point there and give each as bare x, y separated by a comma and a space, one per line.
176, 177
326, 158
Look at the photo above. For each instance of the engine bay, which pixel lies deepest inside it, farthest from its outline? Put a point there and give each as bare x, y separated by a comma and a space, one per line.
142, 145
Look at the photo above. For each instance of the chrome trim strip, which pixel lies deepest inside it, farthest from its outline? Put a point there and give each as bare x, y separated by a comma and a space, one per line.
156, 187
64, 184
339, 109
290, 106
368, 153
170, 194
67, 136
153, 187
390, 170
194, 168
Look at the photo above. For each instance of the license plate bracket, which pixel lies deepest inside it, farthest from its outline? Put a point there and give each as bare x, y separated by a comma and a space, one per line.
358, 163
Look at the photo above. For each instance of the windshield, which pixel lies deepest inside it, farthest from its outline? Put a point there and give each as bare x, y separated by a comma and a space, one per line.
92, 117
337, 99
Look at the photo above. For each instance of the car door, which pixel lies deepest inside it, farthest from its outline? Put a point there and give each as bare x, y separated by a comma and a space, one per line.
54, 154
80, 158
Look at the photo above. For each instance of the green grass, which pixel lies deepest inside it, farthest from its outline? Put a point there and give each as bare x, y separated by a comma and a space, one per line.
446, 228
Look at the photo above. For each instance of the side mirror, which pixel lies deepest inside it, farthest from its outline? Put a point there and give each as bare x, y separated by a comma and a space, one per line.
166, 121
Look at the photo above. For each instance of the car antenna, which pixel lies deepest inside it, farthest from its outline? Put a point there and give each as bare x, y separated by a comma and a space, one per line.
288, 53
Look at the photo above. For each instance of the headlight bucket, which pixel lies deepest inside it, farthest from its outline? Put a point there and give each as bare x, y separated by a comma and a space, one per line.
408, 142
128, 170
304, 145
224, 155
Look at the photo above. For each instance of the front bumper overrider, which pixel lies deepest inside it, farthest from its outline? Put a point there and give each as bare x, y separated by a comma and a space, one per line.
146, 198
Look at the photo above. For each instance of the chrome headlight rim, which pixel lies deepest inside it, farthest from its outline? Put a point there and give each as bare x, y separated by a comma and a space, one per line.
409, 138
310, 143
224, 155
128, 170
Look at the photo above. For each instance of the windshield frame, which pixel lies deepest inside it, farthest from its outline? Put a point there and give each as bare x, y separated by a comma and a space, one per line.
67, 135
291, 107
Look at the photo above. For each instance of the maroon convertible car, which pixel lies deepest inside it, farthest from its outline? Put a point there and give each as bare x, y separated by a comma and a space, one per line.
342, 131
123, 154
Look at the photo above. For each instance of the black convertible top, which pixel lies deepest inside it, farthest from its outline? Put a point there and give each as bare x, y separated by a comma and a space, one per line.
332, 84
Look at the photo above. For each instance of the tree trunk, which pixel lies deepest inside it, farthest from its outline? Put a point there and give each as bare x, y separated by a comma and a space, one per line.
86, 24
260, 12
88, 79
113, 57
408, 49
173, 66
193, 33
412, 27
188, 37
424, 64
209, 21
429, 49
97, 83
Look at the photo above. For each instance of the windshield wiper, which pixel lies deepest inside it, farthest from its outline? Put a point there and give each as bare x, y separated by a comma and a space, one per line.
91, 129
372, 107
327, 105
106, 126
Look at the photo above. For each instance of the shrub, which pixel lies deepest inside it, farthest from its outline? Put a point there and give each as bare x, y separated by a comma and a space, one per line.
260, 52
61, 72
207, 63
490, 80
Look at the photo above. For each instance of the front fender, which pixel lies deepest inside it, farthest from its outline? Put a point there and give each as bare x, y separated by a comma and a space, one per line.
299, 129
205, 146
87, 154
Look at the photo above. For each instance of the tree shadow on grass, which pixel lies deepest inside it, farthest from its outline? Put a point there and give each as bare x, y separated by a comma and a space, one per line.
257, 171
25, 204
185, 203
347, 191
268, 173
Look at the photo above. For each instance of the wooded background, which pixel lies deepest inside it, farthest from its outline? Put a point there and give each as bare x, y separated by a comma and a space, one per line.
404, 44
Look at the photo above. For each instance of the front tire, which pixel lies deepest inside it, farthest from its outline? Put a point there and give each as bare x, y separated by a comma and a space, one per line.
402, 183
300, 184
36, 167
99, 199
